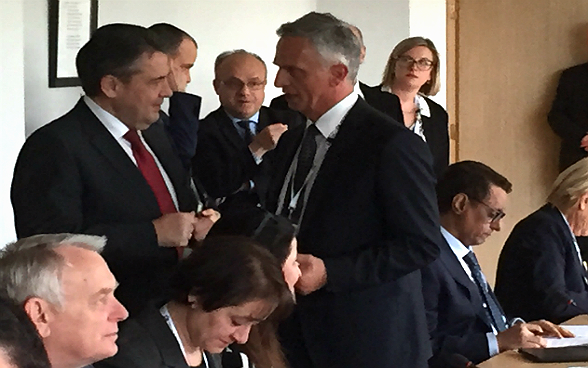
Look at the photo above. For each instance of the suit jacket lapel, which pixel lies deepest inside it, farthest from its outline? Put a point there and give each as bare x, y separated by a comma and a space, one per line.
225, 125
160, 333
456, 271
101, 139
349, 132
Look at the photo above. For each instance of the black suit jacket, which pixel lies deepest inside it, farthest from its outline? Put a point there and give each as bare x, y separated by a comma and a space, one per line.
182, 124
224, 162
372, 218
569, 114
539, 271
455, 315
147, 342
72, 176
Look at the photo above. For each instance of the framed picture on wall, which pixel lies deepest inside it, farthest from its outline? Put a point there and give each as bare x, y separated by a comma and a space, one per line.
71, 23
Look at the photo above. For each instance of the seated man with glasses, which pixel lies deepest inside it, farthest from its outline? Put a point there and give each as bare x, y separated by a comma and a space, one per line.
540, 270
232, 159
463, 314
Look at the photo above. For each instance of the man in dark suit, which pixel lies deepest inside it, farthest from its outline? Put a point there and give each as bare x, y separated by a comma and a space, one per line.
361, 189
569, 115
181, 121
67, 291
104, 168
233, 158
463, 314
387, 103
540, 271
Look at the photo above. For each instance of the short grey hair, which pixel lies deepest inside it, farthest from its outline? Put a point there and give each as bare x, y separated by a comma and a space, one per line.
30, 267
570, 185
224, 55
333, 39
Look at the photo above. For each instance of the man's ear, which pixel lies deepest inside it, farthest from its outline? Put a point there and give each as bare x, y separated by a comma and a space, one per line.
41, 314
459, 203
216, 84
109, 85
339, 73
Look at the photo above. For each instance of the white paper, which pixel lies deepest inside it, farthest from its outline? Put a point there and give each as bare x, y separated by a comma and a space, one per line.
581, 337
73, 32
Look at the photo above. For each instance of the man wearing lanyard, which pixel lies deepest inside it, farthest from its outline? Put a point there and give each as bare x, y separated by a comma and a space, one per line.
361, 189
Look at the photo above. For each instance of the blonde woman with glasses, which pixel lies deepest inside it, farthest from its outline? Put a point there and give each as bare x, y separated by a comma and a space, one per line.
412, 73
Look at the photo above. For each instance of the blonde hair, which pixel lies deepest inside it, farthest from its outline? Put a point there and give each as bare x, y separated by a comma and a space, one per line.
428, 89
570, 185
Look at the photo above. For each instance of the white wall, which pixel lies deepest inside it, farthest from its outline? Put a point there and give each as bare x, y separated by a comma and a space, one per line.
383, 24
11, 106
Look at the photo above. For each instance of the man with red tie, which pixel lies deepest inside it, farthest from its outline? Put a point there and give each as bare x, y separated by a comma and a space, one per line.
105, 168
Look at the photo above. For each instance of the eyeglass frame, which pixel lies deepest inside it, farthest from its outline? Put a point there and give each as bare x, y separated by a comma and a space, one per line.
231, 84
409, 62
497, 213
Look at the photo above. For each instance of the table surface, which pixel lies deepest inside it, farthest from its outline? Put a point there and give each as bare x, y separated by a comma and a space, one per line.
512, 359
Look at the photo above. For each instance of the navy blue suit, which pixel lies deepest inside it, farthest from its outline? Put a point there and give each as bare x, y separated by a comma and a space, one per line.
539, 271
182, 123
455, 315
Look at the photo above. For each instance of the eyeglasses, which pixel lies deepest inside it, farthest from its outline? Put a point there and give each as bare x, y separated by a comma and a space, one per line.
421, 64
495, 214
237, 84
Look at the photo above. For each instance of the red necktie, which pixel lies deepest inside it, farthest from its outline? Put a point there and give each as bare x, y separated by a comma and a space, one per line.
152, 175
151, 172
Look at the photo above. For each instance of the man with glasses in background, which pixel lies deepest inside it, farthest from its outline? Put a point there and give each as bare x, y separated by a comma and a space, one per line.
232, 159
463, 314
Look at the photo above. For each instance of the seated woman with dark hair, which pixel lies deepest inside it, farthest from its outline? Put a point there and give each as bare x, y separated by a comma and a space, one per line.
220, 291
275, 233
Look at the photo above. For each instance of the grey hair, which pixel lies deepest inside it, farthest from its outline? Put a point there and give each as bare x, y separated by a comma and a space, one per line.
31, 266
224, 55
570, 185
332, 38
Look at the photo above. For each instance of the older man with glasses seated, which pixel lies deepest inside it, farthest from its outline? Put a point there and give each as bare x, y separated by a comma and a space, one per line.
540, 271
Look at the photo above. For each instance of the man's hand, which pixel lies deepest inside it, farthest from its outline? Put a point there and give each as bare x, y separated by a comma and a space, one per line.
552, 330
174, 229
203, 222
314, 274
521, 335
267, 139
584, 143
177, 77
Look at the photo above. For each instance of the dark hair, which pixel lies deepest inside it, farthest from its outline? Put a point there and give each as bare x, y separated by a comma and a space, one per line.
229, 271
471, 178
170, 37
114, 49
19, 339
275, 233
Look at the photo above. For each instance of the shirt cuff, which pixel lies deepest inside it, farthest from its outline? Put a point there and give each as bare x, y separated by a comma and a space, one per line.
257, 160
492, 344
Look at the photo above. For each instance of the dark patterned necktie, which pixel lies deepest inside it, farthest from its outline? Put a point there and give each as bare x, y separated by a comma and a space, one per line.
491, 306
305, 157
248, 137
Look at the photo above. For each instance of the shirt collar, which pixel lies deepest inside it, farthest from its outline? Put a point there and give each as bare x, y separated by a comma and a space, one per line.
456, 246
357, 89
422, 105
116, 127
254, 118
330, 120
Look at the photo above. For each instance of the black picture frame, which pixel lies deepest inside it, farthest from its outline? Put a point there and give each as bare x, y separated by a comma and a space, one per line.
54, 39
